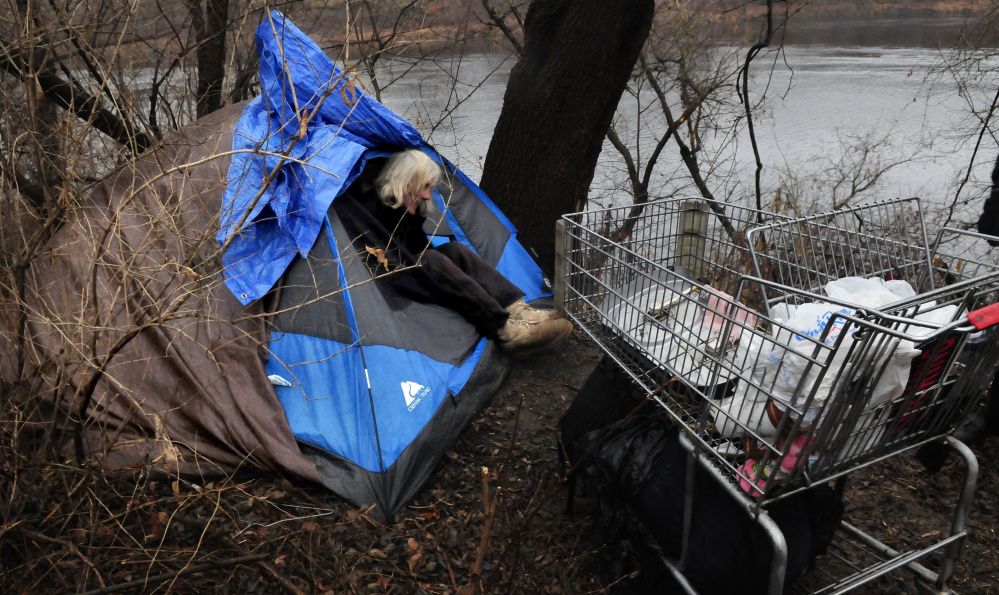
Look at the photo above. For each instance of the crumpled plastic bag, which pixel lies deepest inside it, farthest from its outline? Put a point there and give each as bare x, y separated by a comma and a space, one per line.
780, 362
872, 292
744, 411
896, 376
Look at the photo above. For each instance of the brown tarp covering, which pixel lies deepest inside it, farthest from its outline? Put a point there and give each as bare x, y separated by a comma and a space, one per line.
128, 322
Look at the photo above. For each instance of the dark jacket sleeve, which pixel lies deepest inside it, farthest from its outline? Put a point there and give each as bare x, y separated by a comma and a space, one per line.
372, 225
988, 223
387, 240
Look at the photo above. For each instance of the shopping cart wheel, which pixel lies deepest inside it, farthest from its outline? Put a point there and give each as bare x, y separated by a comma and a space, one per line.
925, 588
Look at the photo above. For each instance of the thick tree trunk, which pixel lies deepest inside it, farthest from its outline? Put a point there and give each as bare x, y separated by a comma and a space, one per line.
559, 102
210, 28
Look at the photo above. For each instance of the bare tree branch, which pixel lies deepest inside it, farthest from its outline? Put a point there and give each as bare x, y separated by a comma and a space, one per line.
499, 20
744, 94
71, 97
974, 154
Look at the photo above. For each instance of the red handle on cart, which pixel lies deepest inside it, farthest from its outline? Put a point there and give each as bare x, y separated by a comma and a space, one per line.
983, 318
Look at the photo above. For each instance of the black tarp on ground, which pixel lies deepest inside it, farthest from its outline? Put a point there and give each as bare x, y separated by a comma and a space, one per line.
636, 479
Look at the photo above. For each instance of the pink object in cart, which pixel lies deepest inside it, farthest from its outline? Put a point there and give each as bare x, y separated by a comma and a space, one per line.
722, 308
752, 469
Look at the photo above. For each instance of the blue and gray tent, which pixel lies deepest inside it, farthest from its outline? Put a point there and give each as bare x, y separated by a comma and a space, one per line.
375, 387
282, 354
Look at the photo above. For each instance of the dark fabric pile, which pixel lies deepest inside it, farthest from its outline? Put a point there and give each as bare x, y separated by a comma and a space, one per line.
637, 478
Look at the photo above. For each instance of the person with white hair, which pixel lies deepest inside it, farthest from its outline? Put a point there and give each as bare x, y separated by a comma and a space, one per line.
396, 198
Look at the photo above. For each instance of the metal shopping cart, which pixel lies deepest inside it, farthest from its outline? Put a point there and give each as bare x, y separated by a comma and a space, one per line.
725, 315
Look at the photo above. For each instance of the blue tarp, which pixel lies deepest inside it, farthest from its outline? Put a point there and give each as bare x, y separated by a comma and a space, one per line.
285, 217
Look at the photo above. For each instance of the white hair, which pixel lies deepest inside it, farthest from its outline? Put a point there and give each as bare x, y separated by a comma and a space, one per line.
407, 170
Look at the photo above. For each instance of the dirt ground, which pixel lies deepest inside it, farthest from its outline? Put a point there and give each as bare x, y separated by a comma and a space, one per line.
267, 535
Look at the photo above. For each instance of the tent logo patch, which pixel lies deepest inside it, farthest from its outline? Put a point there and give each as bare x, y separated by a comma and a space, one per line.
414, 393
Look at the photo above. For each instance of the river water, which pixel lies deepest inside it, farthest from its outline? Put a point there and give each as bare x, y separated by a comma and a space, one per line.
824, 101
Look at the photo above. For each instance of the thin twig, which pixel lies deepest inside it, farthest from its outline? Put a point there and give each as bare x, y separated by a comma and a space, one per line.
69, 545
450, 571
750, 55
500, 21
489, 509
160, 578
516, 422
268, 568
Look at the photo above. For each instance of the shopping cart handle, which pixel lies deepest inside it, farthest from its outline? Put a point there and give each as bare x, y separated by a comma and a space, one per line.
983, 318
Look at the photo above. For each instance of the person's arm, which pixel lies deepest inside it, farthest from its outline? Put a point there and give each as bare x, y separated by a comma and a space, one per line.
988, 223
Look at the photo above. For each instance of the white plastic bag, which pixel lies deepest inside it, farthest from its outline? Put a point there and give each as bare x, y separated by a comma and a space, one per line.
744, 411
893, 365
871, 293
808, 323
781, 371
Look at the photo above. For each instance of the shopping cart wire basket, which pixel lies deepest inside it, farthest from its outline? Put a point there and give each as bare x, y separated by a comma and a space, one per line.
728, 315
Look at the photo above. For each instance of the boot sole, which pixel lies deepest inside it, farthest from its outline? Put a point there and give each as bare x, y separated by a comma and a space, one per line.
522, 355
555, 315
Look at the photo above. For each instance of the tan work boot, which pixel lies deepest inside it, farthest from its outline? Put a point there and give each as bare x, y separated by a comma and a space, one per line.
521, 339
520, 310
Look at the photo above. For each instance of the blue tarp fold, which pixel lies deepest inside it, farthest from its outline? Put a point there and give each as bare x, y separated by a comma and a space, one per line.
316, 164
